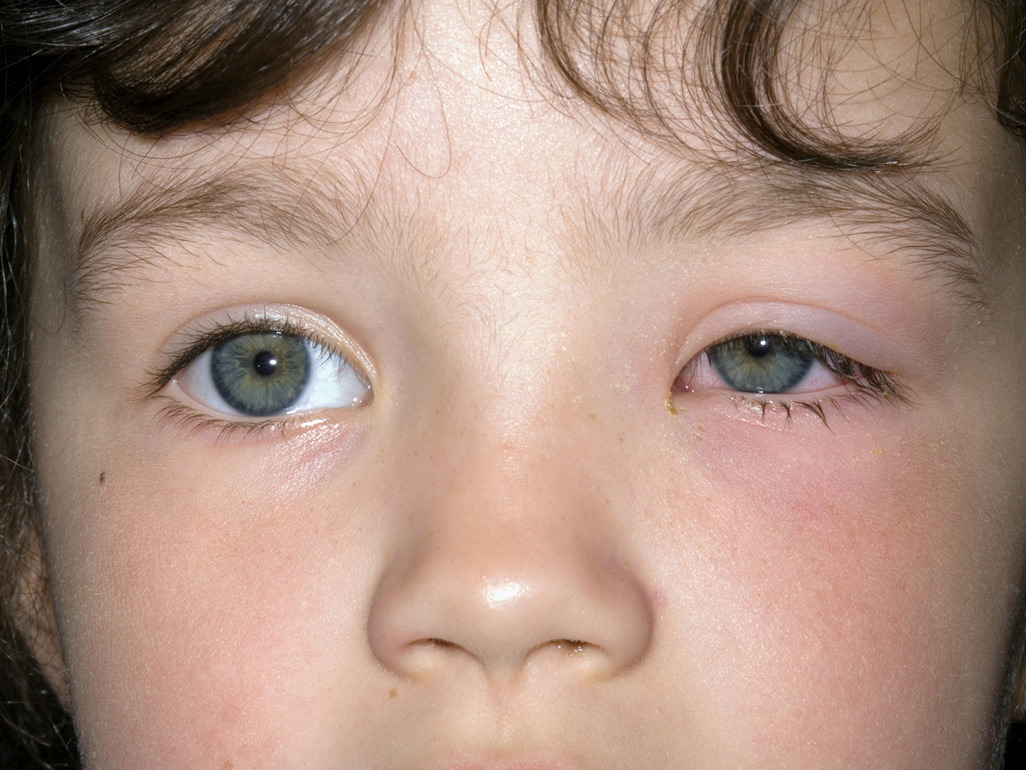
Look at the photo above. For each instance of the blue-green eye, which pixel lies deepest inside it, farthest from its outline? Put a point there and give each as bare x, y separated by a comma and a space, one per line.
777, 363
762, 363
269, 373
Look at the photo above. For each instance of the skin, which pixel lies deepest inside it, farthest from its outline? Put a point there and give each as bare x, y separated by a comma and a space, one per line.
529, 549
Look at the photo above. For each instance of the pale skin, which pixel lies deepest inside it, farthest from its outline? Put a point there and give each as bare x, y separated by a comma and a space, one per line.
525, 546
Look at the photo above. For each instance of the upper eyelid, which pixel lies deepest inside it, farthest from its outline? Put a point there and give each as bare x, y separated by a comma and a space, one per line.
783, 334
905, 343
821, 350
816, 348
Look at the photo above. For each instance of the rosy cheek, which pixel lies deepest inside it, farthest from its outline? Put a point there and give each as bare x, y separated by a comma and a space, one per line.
838, 564
208, 578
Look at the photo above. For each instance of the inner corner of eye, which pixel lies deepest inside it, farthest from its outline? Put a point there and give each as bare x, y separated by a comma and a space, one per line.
684, 381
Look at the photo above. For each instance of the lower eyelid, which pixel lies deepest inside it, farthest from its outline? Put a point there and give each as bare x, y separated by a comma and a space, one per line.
191, 421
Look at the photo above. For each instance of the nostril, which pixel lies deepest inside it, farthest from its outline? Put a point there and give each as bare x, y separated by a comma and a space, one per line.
567, 646
586, 659
437, 643
572, 646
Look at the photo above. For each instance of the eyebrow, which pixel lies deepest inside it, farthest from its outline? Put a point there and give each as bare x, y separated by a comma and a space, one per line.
894, 213
286, 211
886, 214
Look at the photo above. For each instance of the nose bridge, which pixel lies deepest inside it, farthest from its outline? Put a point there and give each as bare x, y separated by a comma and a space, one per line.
511, 557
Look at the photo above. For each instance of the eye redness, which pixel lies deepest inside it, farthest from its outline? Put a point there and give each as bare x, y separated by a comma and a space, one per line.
259, 370
778, 363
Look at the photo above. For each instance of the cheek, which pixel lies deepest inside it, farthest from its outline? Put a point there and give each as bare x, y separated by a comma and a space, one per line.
206, 594
851, 577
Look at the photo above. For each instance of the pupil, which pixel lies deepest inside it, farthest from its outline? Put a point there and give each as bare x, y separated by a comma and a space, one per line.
758, 347
265, 363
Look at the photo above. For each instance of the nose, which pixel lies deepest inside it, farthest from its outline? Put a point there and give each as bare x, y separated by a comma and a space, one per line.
509, 566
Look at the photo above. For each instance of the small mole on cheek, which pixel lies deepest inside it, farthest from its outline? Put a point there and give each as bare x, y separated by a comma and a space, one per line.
392, 693
103, 476
227, 765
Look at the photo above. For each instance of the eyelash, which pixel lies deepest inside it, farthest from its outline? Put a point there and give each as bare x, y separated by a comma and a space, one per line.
195, 421
204, 339
867, 386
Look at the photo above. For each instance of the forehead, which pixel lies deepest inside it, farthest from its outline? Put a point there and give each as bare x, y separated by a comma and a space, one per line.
455, 111
866, 74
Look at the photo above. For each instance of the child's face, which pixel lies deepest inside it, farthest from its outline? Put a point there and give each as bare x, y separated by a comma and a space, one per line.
511, 533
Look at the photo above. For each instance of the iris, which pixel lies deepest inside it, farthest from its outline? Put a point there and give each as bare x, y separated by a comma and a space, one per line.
762, 363
260, 374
